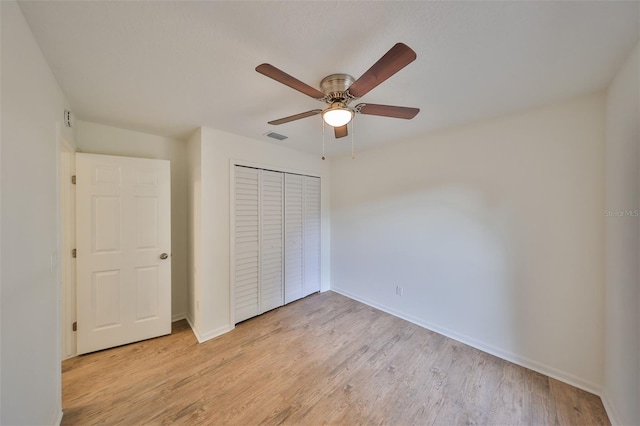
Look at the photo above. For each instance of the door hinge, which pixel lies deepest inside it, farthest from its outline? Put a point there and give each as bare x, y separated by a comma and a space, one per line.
73, 179
74, 253
74, 327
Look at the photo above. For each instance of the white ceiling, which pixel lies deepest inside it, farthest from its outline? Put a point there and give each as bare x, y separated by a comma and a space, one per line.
169, 67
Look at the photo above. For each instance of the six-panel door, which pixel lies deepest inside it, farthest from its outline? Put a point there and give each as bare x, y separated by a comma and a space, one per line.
123, 214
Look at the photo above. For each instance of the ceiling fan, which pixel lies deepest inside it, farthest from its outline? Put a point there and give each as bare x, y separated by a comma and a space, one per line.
338, 90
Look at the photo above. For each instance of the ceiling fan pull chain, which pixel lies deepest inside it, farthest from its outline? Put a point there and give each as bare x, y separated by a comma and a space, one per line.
353, 122
322, 138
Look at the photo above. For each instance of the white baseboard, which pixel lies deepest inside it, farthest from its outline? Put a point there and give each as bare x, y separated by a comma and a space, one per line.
193, 327
215, 333
203, 337
66, 357
59, 419
612, 413
179, 316
506, 355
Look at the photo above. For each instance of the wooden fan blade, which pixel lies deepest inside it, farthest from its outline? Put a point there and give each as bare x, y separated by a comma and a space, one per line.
387, 111
398, 57
340, 132
284, 78
296, 117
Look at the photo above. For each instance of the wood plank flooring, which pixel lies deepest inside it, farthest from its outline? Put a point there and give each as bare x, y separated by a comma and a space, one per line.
325, 359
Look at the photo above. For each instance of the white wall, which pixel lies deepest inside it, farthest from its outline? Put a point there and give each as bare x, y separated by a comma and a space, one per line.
217, 150
494, 230
32, 110
99, 139
622, 318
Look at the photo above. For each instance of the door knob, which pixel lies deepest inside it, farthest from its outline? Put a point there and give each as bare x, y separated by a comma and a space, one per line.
163, 256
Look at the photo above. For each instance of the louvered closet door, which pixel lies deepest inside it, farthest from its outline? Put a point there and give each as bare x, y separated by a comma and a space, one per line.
311, 235
247, 250
293, 225
272, 229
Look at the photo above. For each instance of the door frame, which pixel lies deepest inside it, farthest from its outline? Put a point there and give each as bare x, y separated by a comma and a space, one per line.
67, 197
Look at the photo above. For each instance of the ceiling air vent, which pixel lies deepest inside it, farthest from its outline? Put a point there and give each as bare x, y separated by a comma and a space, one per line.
275, 135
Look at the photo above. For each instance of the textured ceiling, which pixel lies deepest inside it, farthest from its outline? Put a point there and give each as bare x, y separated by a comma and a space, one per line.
169, 67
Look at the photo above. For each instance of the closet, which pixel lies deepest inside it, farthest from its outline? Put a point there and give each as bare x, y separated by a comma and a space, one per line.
276, 239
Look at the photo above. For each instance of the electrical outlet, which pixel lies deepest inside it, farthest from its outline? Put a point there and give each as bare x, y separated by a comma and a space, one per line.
399, 290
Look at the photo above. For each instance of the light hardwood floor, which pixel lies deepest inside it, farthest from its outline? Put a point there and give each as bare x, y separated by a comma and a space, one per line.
325, 359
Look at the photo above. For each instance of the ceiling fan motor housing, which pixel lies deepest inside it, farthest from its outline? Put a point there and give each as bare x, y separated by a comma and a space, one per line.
335, 87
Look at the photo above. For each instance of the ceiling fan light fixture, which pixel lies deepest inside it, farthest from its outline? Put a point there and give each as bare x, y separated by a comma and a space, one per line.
337, 115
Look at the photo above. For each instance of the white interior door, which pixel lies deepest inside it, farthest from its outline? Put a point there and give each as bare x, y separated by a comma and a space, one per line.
258, 241
271, 247
123, 235
311, 235
293, 229
247, 244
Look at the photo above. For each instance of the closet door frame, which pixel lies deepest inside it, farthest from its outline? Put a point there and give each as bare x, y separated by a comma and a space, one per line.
232, 199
